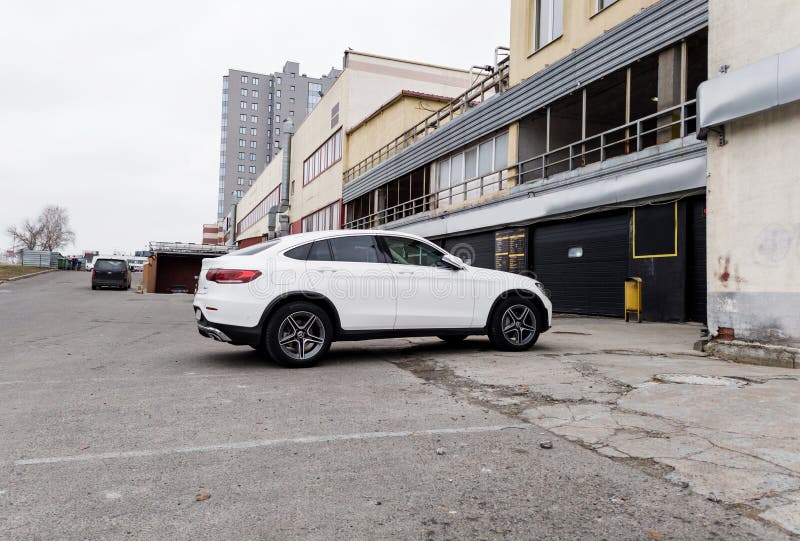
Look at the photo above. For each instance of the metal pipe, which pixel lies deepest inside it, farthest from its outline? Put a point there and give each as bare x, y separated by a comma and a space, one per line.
288, 131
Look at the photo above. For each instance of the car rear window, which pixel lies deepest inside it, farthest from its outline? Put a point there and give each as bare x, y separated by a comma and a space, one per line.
110, 265
300, 252
257, 249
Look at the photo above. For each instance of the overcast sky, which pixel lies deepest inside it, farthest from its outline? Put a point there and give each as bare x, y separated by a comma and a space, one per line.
112, 109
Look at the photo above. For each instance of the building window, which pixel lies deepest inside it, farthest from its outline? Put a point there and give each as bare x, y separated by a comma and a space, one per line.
260, 210
278, 80
250, 182
252, 157
458, 177
603, 4
253, 144
255, 81
277, 119
269, 96
291, 88
314, 95
255, 93
253, 118
242, 105
324, 157
278, 93
242, 143
291, 100
253, 131
291, 113
241, 155
270, 85
244, 79
243, 117
240, 181
269, 120
242, 130
269, 145
278, 106
324, 219
252, 169
269, 108
277, 144
239, 193
277, 132
240, 168
254, 106
548, 22
244, 92
268, 156
293, 75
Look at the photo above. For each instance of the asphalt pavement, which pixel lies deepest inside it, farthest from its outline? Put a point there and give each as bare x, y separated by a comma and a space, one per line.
119, 421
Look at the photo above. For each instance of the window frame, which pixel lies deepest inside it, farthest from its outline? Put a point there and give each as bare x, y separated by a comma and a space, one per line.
383, 241
538, 43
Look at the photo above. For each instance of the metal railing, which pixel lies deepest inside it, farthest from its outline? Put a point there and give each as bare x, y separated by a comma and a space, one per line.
484, 89
671, 123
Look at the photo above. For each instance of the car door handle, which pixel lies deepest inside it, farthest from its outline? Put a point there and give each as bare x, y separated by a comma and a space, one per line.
405, 272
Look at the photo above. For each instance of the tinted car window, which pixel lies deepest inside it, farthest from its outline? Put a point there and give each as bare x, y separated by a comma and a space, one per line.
110, 265
359, 249
319, 251
300, 252
403, 251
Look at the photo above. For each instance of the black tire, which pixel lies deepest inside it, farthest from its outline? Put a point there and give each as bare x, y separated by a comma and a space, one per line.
521, 321
94, 287
306, 321
453, 338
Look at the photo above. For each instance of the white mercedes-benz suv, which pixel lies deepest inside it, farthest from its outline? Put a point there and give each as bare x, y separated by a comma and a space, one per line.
291, 297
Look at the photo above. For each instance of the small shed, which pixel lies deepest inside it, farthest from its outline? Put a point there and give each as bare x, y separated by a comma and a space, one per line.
174, 267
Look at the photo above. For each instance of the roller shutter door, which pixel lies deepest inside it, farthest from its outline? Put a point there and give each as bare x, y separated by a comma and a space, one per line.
478, 248
584, 263
696, 260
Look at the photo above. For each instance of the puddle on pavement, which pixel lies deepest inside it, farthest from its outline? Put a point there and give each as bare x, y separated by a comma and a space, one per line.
694, 379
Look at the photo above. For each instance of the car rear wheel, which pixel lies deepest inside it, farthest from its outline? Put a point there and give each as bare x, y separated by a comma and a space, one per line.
298, 335
514, 325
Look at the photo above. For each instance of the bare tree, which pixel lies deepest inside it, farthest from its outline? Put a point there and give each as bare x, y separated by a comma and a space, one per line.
49, 232
27, 235
54, 221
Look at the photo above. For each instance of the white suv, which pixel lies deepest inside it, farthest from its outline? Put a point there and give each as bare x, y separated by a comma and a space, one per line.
293, 296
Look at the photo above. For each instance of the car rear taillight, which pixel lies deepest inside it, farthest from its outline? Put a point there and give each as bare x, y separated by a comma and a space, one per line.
232, 276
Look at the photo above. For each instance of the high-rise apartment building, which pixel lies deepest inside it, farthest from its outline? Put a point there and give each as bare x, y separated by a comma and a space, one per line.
253, 108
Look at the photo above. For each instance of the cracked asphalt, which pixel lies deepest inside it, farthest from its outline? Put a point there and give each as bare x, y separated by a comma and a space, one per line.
120, 422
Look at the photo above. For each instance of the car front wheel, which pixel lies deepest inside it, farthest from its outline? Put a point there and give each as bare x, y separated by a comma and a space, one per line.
298, 335
514, 325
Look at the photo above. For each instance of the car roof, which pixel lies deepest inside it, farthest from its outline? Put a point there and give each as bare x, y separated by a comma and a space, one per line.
120, 257
300, 238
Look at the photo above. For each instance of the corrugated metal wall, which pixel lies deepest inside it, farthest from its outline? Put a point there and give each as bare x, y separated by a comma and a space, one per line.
653, 29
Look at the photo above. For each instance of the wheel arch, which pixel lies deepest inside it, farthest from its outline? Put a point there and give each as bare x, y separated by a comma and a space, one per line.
308, 296
526, 294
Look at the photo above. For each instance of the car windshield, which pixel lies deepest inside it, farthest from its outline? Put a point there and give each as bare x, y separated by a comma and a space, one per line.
257, 249
109, 265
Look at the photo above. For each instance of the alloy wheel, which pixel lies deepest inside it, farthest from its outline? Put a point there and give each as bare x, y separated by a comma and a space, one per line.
518, 324
301, 335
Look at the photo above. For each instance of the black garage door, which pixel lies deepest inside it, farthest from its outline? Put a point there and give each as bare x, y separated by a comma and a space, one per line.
476, 250
584, 263
696, 259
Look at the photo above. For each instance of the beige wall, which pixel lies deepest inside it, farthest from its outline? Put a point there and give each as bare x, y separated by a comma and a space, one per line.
267, 181
386, 125
754, 185
581, 25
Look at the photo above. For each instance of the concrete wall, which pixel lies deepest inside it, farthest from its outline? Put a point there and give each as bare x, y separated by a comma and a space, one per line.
582, 24
754, 186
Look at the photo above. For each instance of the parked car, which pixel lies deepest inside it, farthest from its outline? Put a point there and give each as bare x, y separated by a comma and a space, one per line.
111, 271
291, 297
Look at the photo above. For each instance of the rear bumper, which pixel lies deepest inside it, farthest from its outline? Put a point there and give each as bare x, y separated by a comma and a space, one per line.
109, 283
232, 334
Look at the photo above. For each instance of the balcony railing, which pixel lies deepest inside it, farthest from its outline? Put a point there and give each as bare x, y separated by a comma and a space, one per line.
661, 127
492, 84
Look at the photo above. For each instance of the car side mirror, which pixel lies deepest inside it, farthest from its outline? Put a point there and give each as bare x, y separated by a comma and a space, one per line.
453, 261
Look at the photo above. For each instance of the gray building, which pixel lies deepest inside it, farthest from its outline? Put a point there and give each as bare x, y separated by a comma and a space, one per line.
253, 107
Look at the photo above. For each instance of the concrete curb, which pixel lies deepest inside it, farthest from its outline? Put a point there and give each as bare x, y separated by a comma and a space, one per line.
14, 279
754, 353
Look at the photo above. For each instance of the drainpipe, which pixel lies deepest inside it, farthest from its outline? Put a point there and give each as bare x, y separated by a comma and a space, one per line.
288, 130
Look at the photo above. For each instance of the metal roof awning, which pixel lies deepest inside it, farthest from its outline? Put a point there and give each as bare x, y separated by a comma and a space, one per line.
187, 248
757, 87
